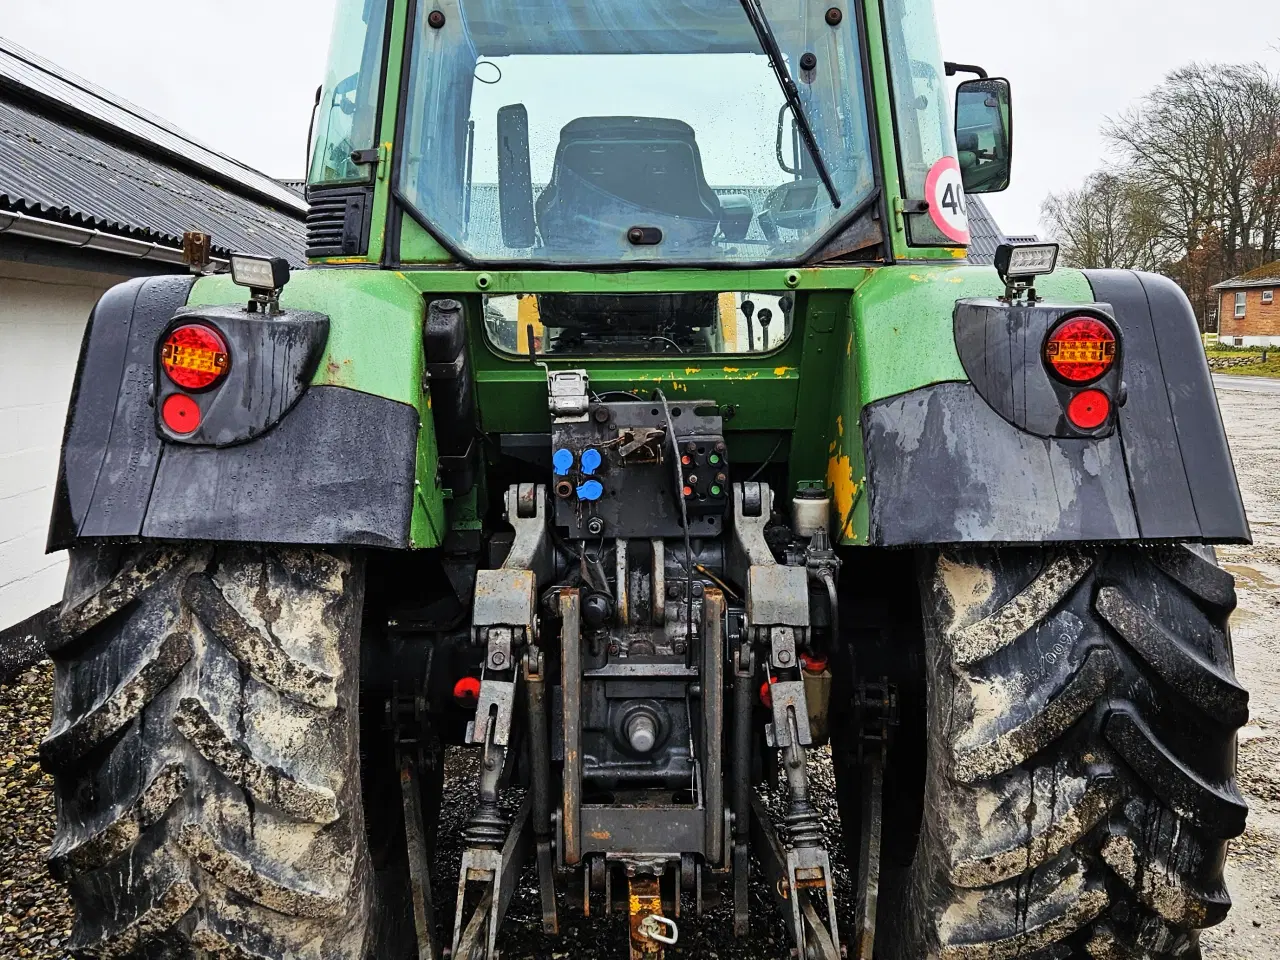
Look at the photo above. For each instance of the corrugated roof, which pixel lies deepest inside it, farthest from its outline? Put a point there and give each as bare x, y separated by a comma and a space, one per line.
52, 167
1265, 276
37, 77
984, 233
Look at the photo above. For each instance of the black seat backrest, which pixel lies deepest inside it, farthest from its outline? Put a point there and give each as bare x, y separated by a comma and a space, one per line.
632, 165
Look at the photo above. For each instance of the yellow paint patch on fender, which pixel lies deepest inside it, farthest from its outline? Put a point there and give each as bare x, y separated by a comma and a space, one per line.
843, 489
781, 371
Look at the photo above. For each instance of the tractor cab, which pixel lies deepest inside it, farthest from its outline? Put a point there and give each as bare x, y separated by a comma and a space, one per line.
550, 133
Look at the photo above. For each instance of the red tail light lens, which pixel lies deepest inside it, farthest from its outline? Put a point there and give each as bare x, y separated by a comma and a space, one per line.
1081, 350
195, 357
180, 413
1089, 410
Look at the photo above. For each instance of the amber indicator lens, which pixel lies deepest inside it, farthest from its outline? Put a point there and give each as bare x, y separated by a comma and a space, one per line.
1081, 350
195, 357
1089, 410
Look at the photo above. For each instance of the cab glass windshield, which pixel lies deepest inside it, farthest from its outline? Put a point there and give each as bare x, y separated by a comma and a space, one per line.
347, 111
594, 131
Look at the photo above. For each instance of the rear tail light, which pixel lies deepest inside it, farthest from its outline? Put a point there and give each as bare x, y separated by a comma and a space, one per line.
1081, 349
1089, 409
195, 356
180, 413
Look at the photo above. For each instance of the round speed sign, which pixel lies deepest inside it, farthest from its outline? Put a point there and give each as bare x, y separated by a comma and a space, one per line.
944, 189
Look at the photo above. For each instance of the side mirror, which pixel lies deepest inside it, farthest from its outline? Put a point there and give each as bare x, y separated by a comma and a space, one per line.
984, 134
515, 179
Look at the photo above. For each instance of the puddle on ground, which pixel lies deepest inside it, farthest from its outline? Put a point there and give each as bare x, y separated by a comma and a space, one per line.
1248, 576
1242, 615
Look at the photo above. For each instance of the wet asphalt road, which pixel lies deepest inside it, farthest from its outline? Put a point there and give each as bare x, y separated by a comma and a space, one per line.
1267, 385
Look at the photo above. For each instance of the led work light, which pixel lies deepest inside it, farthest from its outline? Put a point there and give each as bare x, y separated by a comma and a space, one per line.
1019, 265
1026, 260
264, 276
259, 273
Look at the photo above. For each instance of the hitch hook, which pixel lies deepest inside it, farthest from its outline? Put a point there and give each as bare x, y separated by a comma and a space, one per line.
655, 927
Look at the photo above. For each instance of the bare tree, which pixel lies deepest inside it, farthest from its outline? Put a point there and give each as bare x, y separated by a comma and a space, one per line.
1196, 193
1110, 222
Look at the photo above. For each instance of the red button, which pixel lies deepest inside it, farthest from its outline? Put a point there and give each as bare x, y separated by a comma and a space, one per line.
180, 414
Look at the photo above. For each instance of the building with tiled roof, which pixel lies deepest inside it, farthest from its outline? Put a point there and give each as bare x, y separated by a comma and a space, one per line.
93, 190
1249, 308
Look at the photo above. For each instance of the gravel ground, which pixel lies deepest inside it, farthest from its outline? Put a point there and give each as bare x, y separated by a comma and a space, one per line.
35, 918
1251, 411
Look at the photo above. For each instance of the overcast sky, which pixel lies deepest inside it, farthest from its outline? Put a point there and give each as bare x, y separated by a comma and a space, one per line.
241, 74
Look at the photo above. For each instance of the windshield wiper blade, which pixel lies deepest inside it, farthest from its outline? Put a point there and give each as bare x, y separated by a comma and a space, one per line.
764, 33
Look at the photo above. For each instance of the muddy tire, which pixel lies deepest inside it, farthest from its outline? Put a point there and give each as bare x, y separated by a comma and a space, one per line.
205, 752
1080, 777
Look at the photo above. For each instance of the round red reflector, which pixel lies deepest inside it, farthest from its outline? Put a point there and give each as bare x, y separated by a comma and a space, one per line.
1089, 410
1081, 349
466, 691
195, 356
766, 695
180, 413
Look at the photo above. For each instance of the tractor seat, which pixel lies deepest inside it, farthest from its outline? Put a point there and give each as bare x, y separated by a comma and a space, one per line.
614, 173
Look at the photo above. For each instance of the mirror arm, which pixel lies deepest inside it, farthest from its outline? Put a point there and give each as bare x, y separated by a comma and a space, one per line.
954, 68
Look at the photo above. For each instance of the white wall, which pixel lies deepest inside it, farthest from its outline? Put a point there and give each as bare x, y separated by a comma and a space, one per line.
43, 311
1250, 341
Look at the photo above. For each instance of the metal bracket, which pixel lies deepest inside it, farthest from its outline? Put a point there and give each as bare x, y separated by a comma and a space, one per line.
790, 725
419, 859
493, 713
650, 930
526, 510
498, 651
868, 890
782, 642
747, 546
875, 706
801, 880
496, 872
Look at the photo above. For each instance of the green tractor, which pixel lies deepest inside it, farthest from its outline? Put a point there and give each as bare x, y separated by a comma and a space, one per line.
642, 426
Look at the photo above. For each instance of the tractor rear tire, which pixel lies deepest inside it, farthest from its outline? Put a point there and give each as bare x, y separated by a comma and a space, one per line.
205, 752
1081, 737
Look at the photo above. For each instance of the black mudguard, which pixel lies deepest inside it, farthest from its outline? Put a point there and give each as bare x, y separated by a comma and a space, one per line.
945, 466
337, 467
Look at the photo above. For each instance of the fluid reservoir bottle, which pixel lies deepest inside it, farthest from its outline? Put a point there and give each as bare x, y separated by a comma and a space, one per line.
810, 511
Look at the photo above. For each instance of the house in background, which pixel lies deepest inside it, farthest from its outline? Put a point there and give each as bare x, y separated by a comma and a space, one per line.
1249, 308
93, 191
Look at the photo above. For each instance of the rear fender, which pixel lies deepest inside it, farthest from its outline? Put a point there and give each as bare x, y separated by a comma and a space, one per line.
993, 460
291, 450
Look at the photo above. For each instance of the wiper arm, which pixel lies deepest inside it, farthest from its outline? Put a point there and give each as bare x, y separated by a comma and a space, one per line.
764, 33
